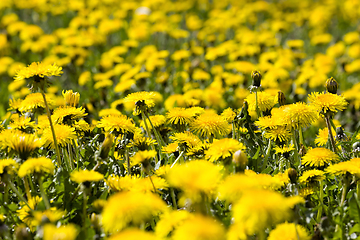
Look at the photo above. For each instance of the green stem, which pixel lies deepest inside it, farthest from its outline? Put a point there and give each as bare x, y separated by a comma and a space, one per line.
70, 157
149, 134
152, 183
13, 188
296, 153
301, 137
43, 194
344, 192
331, 137
266, 156
256, 105
27, 188
84, 208
52, 129
157, 135
127, 162
233, 130
321, 197
172, 193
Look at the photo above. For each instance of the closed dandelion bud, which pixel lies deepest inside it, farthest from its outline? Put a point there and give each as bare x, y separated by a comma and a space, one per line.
331, 85
256, 76
240, 160
71, 98
106, 146
95, 221
302, 150
292, 173
281, 98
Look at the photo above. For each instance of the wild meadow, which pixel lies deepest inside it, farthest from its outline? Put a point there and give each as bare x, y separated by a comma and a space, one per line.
182, 119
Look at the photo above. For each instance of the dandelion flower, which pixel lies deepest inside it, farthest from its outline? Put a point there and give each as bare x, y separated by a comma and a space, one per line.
280, 133
200, 228
325, 102
312, 176
141, 100
71, 98
64, 232
133, 234
8, 166
40, 165
319, 157
142, 143
83, 176
68, 114
223, 149
255, 214
229, 115
265, 101
181, 116
22, 123
38, 71
64, 135
208, 124
126, 208
195, 178
289, 231
284, 149
300, 114
186, 139
133, 183
22, 144
156, 120
25, 213
120, 124
170, 148
323, 136
35, 101
142, 157
342, 168
170, 221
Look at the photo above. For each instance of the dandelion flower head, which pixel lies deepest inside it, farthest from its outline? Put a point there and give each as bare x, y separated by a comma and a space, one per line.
318, 157
223, 148
325, 102
289, 231
82, 176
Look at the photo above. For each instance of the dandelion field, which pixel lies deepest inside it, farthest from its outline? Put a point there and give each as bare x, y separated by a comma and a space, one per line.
155, 119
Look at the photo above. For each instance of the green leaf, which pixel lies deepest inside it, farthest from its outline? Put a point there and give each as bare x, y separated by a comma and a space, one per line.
355, 228
354, 210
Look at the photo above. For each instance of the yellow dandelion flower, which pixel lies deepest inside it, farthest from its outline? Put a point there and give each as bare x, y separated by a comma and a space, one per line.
306, 191
170, 221
342, 168
132, 207
64, 232
195, 178
121, 124
284, 149
210, 124
231, 190
71, 98
156, 120
265, 101
35, 101
323, 136
269, 122
200, 228
134, 183
229, 115
22, 144
133, 234
39, 71
311, 176
289, 231
8, 166
141, 100
64, 135
327, 102
142, 143
186, 139
40, 165
142, 157
280, 133
170, 148
300, 114
319, 157
222, 149
68, 114
22, 123
83, 176
51, 214
179, 116
256, 214
25, 213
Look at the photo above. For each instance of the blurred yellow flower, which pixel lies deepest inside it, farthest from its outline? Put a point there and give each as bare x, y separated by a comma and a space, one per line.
83, 176
289, 231
40, 165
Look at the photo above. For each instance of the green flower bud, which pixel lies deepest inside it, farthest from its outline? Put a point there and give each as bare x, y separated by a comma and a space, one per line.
331, 85
240, 160
256, 76
292, 173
